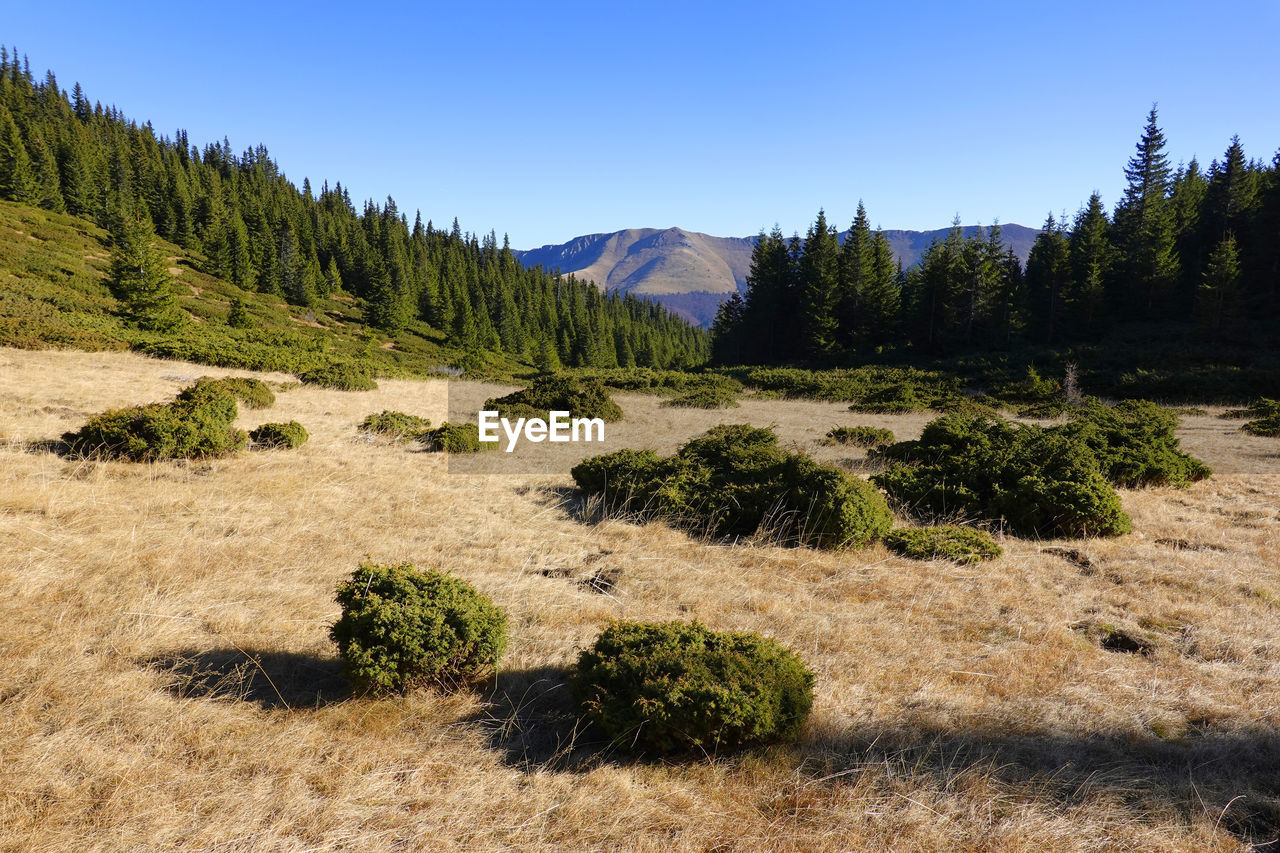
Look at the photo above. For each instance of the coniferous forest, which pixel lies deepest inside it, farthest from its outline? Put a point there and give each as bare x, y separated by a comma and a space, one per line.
262, 233
1192, 250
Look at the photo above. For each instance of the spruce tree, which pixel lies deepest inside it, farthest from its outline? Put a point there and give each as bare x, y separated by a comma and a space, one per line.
140, 277
17, 180
1145, 229
1091, 258
1219, 302
855, 278
819, 270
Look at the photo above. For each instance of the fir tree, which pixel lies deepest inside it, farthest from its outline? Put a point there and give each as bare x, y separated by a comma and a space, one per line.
1145, 229
140, 277
1219, 301
17, 180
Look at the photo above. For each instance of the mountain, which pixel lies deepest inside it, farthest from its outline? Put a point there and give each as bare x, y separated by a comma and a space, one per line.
692, 273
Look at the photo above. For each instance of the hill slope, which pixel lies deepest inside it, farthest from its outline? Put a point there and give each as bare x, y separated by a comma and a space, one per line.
692, 273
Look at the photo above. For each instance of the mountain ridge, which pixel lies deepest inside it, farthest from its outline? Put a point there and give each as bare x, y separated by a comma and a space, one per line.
691, 272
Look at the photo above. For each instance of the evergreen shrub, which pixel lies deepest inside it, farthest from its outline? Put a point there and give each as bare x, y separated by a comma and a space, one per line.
675, 687
401, 628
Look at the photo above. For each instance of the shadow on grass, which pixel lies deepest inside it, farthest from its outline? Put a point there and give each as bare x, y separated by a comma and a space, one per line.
1233, 778
267, 679
530, 718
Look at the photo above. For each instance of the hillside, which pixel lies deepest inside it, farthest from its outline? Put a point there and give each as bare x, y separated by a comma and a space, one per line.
692, 273
169, 682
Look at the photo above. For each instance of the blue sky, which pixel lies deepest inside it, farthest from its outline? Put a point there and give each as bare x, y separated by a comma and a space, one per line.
550, 120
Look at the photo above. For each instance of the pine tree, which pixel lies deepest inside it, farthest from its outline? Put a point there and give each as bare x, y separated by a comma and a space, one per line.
1091, 258
855, 279
44, 170
17, 180
1145, 229
238, 317
1220, 298
881, 295
141, 278
1048, 281
819, 269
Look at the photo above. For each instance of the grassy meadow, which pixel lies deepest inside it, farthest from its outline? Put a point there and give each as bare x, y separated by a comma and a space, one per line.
168, 681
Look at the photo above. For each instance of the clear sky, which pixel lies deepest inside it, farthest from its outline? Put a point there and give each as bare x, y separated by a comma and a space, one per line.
550, 120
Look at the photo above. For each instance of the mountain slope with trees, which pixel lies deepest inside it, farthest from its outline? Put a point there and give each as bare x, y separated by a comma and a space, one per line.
240, 219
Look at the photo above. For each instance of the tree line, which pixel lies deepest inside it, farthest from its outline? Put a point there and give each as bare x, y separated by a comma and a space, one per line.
1199, 248
262, 233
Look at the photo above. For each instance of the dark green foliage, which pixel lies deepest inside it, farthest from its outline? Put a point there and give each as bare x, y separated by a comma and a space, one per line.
1265, 418
454, 438
737, 481
254, 393
675, 687
951, 542
860, 436
1135, 444
264, 235
394, 424
198, 425
279, 436
871, 385
401, 628
238, 316
1039, 481
581, 397
343, 376
704, 398
140, 276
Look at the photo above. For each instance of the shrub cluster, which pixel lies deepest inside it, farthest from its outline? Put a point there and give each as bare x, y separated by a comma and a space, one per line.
279, 436
737, 481
344, 376
197, 425
1135, 443
650, 380
709, 397
393, 424
675, 687
860, 436
1040, 481
254, 393
1263, 415
874, 388
950, 542
454, 438
401, 628
580, 397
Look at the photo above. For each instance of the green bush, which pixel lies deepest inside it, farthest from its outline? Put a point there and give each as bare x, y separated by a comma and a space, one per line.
393, 424
455, 438
737, 481
875, 388
280, 436
704, 398
198, 425
254, 393
581, 398
401, 628
951, 542
1135, 443
675, 687
860, 436
1040, 481
1261, 408
344, 376
1268, 427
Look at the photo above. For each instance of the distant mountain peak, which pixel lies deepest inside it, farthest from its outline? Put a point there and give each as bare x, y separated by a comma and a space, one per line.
691, 272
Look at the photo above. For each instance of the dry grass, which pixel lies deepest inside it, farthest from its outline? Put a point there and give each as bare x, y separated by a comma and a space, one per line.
167, 680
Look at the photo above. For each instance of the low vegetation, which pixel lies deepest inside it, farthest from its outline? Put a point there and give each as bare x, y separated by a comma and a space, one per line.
1262, 417
737, 481
581, 397
393, 424
711, 397
952, 542
1135, 444
342, 376
198, 425
1038, 481
454, 438
675, 687
279, 436
860, 436
402, 628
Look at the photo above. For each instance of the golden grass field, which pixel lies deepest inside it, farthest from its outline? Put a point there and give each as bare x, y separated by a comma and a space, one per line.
166, 679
